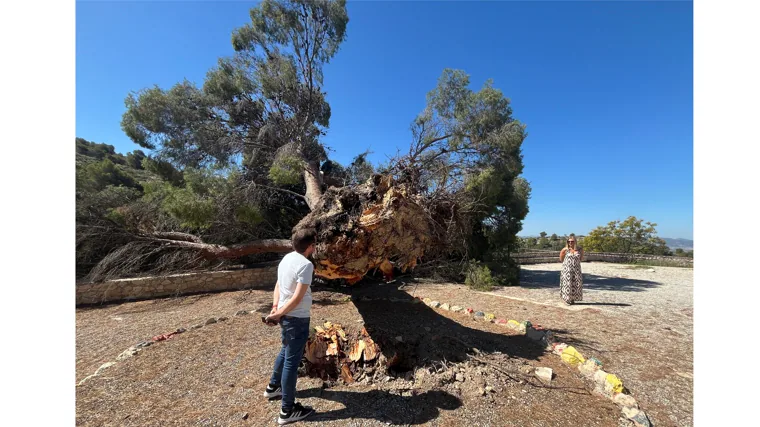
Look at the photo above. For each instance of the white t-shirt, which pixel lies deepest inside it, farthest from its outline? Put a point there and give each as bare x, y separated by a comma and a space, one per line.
293, 269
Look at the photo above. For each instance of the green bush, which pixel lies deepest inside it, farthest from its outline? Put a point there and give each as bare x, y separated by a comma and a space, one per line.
479, 277
504, 269
190, 209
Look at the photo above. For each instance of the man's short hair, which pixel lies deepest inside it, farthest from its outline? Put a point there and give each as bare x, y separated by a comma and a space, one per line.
304, 238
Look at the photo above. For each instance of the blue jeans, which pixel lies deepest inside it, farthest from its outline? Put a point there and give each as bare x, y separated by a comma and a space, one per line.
295, 332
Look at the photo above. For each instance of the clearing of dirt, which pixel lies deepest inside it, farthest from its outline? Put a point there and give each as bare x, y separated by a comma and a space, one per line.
214, 376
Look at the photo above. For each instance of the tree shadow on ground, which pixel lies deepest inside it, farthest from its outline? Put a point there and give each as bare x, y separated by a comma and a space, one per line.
383, 406
427, 336
540, 279
418, 335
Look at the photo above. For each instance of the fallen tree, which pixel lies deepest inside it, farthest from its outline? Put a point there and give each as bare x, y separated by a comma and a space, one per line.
242, 167
259, 116
378, 224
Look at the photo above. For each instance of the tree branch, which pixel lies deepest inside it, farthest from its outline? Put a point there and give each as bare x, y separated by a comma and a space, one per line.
176, 235
292, 193
234, 251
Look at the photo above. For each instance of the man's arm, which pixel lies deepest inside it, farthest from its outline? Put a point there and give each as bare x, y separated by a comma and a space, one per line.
275, 297
304, 278
292, 302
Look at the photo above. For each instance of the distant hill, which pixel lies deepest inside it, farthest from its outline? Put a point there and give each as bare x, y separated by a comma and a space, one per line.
135, 164
674, 244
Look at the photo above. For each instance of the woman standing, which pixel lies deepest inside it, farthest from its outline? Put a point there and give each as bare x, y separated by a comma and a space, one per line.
571, 278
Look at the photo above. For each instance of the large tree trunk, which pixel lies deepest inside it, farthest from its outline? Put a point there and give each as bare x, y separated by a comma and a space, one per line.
313, 179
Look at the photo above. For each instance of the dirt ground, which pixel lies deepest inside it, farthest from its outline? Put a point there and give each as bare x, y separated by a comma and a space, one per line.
214, 376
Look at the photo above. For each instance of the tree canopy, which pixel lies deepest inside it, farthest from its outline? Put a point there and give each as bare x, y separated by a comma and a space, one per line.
263, 108
631, 236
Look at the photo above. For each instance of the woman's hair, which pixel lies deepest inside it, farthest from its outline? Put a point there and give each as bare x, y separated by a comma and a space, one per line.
571, 236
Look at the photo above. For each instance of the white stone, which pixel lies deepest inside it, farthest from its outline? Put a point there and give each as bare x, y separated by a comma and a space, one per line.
588, 369
544, 374
600, 377
87, 378
104, 367
126, 354
625, 400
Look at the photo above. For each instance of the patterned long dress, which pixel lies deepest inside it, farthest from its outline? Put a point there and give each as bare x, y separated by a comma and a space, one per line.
571, 279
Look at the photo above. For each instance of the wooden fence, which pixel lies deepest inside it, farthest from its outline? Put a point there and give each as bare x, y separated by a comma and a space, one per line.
544, 256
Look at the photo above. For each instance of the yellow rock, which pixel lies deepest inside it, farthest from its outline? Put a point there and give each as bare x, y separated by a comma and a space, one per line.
614, 383
572, 357
490, 316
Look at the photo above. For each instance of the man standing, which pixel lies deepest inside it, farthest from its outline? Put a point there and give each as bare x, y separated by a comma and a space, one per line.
291, 307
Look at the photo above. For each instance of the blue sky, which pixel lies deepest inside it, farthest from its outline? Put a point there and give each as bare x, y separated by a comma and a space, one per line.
605, 88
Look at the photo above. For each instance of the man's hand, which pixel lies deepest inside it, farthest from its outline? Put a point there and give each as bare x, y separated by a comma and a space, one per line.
274, 317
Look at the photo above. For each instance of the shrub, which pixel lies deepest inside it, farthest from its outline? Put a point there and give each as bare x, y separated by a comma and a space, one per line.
479, 277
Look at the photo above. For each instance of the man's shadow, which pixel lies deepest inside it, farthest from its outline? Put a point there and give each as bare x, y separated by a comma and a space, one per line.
383, 406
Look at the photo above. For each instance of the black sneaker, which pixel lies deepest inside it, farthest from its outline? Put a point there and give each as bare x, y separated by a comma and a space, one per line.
273, 391
296, 414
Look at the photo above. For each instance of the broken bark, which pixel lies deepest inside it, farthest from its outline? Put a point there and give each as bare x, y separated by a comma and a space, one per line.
374, 225
333, 353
